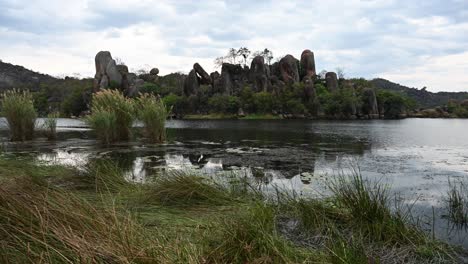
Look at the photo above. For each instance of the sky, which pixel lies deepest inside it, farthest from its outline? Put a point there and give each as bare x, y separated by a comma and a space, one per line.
414, 43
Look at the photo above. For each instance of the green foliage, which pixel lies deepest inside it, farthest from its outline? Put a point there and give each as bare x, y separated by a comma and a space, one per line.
264, 102
224, 104
392, 104
457, 109
342, 103
175, 103
153, 113
111, 116
18, 109
150, 88
74, 103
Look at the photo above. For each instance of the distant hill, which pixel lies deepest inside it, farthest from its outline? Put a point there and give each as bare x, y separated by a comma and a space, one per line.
15, 76
423, 97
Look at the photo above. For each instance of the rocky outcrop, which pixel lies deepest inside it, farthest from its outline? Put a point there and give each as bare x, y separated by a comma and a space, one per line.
192, 83
307, 64
370, 108
289, 70
216, 82
203, 75
332, 81
233, 78
154, 71
260, 74
107, 74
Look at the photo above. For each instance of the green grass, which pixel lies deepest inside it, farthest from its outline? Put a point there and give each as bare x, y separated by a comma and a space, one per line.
112, 116
457, 203
18, 109
153, 113
52, 214
50, 126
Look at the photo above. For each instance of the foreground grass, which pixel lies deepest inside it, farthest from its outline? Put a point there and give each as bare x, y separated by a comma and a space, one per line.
60, 215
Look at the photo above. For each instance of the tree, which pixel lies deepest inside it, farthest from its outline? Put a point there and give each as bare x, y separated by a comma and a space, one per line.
340, 73
232, 54
244, 53
266, 54
218, 62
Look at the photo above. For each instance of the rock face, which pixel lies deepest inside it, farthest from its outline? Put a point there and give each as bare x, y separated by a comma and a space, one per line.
259, 74
370, 108
192, 83
204, 77
332, 81
307, 64
289, 71
107, 73
233, 78
216, 82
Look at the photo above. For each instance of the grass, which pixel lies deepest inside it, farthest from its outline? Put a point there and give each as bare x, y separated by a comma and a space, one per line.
112, 116
50, 126
61, 215
18, 109
153, 113
457, 203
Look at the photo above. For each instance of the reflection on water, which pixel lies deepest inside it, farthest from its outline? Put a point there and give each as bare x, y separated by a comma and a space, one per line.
416, 157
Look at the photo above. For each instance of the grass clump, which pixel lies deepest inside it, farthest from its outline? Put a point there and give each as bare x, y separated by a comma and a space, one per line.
111, 116
18, 109
50, 126
153, 113
457, 203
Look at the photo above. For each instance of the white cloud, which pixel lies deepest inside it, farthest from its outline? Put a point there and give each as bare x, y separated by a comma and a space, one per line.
416, 44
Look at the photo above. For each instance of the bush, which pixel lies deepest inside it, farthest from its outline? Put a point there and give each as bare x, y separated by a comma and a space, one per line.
153, 113
224, 104
111, 116
295, 106
264, 102
18, 109
392, 104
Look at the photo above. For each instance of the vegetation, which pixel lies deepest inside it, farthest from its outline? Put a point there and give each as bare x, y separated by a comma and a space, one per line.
153, 113
111, 116
457, 203
18, 109
50, 126
98, 217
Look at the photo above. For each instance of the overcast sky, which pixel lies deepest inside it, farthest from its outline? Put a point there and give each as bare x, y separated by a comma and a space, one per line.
415, 43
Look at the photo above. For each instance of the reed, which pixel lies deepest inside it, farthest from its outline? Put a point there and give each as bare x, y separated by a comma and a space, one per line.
18, 109
153, 114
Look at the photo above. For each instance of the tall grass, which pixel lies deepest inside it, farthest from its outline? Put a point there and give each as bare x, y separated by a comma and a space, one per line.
153, 113
457, 203
50, 125
18, 109
111, 116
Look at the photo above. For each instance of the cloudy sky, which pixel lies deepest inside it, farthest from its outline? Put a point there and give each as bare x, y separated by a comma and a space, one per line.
416, 43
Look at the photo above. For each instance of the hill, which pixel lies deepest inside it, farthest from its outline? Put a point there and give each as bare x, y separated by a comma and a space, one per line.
424, 98
15, 76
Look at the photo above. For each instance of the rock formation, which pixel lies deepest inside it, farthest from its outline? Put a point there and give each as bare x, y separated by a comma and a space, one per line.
107, 73
203, 75
192, 83
259, 74
289, 71
370, 108
216, 82
332, 81
154, 71
307, 64
233, 78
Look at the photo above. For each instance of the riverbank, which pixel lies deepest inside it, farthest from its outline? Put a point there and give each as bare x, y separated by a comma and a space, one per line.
59, 214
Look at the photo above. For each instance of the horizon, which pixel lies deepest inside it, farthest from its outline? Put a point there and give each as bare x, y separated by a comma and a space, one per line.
415, 45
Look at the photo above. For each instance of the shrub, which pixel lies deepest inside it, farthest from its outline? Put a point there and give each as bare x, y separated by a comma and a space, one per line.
224, 104
263, 102
153, 113
111, 116
18, 109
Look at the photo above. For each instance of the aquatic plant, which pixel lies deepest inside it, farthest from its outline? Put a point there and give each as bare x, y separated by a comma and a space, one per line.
153, 113
111, 116
457, 203
50, 125
18, 109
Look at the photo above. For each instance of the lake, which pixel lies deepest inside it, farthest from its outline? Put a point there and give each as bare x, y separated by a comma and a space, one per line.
415, 158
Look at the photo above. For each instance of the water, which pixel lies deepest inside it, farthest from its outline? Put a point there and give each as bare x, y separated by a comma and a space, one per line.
415, 157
